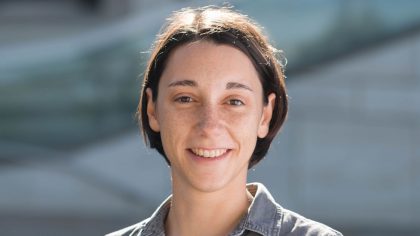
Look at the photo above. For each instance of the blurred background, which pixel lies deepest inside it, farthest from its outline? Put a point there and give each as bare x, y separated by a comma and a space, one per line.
72, 161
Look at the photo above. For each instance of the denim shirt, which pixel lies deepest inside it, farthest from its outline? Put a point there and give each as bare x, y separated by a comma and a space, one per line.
264, 218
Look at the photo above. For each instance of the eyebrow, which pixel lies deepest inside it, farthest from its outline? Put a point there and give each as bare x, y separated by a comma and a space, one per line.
183, 83
192, 83
235, 85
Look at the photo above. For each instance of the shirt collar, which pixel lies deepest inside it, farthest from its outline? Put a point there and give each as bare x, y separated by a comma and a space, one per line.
156, 223
263, 215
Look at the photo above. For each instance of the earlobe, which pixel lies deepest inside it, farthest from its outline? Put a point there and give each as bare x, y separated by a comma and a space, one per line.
151, 111
267, 113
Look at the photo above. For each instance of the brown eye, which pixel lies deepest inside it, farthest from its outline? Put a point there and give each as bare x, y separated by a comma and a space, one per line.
235, 102
184, 99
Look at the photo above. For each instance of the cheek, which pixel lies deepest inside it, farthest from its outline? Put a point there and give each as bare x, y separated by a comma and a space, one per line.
174, 127
173, 118
245, 134
245, 120
244, 127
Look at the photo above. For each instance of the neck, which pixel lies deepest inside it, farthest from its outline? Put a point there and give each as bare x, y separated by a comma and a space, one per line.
195, 212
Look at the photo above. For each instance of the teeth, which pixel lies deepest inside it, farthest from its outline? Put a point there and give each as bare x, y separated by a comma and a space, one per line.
208, 153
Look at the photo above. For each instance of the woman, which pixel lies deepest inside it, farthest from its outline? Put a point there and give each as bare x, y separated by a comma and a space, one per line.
212, 101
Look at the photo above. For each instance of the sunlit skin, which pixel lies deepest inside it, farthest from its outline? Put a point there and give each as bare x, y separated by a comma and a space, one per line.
210, 103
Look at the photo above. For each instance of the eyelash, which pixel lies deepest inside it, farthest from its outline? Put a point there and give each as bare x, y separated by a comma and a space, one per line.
183, 99
187, 99
234, 102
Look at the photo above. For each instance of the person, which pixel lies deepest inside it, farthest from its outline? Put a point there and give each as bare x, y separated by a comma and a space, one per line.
213, 99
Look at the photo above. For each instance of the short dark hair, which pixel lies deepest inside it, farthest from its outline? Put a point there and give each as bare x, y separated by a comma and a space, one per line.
220, 25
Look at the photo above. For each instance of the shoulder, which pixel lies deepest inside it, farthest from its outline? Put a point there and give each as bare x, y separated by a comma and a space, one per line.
295, 224
130, 230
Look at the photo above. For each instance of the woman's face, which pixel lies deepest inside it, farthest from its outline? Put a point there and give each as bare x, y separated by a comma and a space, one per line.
209, 112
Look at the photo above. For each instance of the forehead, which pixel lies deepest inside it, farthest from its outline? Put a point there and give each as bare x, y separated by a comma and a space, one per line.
206, 61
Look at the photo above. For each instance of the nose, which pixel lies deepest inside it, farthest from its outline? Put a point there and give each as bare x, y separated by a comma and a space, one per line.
209, 121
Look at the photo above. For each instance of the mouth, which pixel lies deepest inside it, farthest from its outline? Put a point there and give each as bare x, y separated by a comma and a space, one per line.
209, 153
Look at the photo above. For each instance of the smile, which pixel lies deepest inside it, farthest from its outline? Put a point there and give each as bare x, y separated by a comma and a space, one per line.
208, 153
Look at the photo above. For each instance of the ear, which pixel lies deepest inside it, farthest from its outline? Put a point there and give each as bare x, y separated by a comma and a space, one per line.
267, 113
151, 111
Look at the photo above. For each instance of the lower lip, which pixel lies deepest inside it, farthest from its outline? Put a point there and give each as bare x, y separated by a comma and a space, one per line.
208, 159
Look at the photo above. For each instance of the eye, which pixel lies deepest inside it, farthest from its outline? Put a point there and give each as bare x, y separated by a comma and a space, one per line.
235, 102
184, 99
